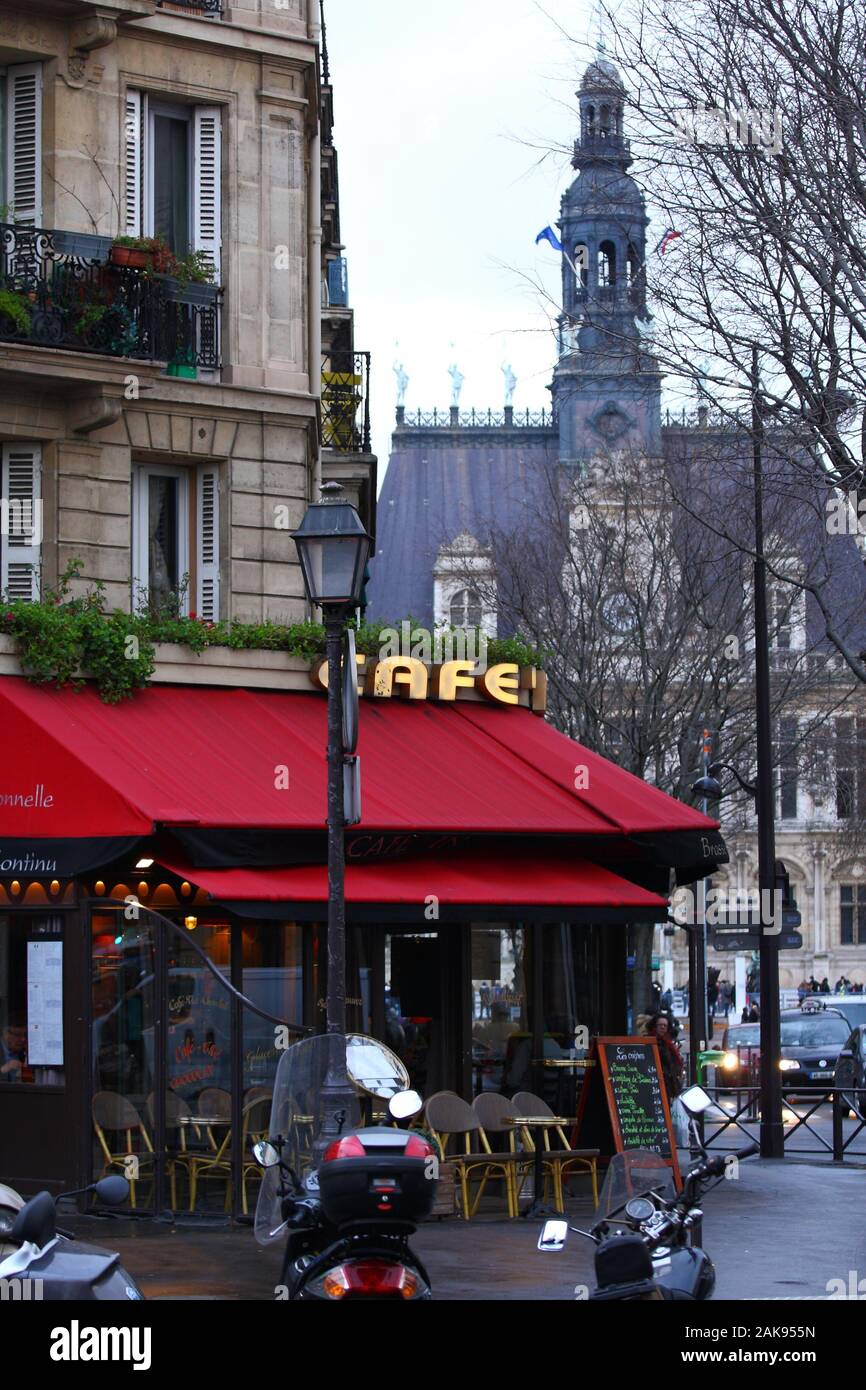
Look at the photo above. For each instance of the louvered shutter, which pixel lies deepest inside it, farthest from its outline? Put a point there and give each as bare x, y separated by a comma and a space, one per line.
208, 588
24, 143
133, 176
206, 185
21, 539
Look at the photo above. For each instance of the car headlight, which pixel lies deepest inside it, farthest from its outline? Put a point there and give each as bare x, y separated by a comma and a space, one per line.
730, 1061
788, 1064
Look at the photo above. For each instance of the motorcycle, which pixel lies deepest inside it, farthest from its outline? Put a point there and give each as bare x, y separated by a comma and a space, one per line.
44, 1263
346, 1209
648, 1242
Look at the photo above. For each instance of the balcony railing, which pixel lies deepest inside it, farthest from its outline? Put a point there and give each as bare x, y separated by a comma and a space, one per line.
197, 6
60, 290
346, 402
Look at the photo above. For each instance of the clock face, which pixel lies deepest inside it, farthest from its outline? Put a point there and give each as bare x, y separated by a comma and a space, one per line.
617, 614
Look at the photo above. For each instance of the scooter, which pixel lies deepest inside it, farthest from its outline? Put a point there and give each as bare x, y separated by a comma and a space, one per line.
648, 1243
346, 1212
47, 1264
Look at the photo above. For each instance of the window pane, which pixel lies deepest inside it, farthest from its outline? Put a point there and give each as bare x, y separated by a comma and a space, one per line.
846, 914
171, 214
273, 979
162, 548
31, 1001
501, 1040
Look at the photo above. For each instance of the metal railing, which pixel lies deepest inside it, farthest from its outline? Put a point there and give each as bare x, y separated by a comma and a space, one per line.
745, 1103
60, 290
197, 6
454, 418
346, 402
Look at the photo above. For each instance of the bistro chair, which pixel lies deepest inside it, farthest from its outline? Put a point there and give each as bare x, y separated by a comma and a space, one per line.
177, 1155
114, 1114
495, 1114
562, 1158
254, 1125
449, 1118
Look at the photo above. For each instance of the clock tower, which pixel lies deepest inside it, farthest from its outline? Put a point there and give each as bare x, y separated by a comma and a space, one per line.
606, 384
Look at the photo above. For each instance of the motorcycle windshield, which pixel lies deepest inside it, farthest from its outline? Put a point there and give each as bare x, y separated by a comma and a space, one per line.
299, 1113
631, 1174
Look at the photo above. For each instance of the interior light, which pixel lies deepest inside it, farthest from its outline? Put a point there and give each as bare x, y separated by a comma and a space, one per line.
185, 889
15, 886
99, 888
190, 923
143, 889
144, 864
55, 885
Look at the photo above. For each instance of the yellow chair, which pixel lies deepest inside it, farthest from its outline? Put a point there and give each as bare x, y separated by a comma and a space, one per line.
115, 1114
254, 1125
176, 1110
449, 1117
563, 1159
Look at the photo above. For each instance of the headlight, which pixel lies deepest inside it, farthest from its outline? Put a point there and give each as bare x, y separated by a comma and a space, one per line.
730, 1061
788, 1064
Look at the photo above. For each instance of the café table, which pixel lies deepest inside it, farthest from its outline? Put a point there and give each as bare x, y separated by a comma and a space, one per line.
537, 1124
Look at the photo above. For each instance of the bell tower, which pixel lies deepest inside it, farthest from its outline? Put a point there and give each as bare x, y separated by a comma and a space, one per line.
606, 384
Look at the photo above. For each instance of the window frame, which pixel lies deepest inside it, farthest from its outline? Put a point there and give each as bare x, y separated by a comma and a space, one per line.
140, 566
857, 909
155, 106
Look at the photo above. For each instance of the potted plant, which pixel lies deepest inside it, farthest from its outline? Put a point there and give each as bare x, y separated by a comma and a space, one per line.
15, 310
130, 251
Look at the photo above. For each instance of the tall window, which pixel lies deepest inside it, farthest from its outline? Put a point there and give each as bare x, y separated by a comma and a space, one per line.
21, 521
173, 174
606, 264
175, 539
21, 144
786, 762
467, 609
850, 768
852, 914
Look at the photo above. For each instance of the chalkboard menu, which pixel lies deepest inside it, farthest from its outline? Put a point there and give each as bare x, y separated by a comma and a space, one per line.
623, 1102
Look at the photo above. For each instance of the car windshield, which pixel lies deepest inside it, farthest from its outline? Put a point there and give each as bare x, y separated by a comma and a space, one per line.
749, 1035
815, 1032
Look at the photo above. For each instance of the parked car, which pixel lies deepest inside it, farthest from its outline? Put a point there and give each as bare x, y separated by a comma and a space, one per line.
812, 1040
851, 1063
850, 1006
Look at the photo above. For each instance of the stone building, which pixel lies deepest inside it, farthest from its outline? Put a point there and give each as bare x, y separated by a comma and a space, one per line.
169, 419
456, 477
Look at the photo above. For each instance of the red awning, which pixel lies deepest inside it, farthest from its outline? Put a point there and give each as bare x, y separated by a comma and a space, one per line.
545, 879
190, 756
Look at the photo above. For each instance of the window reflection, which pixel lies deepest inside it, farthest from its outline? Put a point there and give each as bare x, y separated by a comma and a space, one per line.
501, 1040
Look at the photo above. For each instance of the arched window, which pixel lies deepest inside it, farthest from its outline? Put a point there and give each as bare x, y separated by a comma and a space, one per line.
633, 266
590, 119
605, 120
467, 609
606, 264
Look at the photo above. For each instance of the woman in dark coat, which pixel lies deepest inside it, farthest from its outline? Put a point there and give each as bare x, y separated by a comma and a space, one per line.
673, 1071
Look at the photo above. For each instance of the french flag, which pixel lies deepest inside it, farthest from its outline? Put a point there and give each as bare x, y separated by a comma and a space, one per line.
669, 237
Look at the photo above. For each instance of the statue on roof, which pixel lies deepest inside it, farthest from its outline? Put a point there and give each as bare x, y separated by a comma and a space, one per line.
510, 382
402, 382
457, 379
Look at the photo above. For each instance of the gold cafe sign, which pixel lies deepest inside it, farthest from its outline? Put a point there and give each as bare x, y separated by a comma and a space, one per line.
406, 676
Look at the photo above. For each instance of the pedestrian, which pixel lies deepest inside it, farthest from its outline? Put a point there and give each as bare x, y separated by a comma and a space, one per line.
825, 986
657, 1026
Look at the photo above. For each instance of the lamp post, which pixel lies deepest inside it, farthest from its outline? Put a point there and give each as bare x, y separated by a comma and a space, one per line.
333, 548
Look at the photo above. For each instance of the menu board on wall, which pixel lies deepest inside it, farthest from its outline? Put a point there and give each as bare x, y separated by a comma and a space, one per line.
623, 1102
45, 1003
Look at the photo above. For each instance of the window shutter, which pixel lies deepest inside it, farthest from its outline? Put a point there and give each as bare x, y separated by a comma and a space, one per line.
208, 588
21, 541
206, 185
24, 142
134, 146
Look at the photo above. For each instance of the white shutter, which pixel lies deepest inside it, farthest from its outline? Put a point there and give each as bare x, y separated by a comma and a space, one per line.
208, 587
133, 140
21, 539
24, 143
207, 173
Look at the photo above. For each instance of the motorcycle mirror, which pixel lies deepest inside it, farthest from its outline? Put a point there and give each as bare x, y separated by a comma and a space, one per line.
113, 1190
696, 1100
404, 1105
553, 1236
266, 1155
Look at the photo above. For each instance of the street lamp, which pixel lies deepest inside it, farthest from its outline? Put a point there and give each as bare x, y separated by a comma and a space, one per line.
333, 548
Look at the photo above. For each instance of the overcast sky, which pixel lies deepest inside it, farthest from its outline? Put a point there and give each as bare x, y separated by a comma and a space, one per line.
443, 118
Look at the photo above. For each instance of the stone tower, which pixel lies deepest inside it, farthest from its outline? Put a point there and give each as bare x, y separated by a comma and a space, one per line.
606, 385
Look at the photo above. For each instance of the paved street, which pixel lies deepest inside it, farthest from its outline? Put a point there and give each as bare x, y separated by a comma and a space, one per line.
781, 1231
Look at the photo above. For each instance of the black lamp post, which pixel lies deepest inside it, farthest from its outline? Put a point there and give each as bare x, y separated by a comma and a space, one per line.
334, 548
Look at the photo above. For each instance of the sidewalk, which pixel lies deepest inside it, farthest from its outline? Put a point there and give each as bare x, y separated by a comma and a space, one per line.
782, 1230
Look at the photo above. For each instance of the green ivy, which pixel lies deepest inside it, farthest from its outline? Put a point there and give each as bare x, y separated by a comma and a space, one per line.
61, 636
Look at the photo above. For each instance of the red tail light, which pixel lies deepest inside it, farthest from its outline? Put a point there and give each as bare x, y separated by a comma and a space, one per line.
417, 1147
350, 1147
370, 1279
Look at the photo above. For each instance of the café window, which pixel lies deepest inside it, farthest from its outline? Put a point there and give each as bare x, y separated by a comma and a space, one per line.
175, 540
852, 914
31, 1001
501, 1038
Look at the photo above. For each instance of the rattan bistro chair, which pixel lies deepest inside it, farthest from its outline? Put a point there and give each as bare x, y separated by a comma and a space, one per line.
494, 1112
450, 1118
254, 1125
562, 1158
177, 1152
114, 1114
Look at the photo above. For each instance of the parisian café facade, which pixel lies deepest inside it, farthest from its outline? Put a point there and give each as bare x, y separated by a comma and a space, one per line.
154, 850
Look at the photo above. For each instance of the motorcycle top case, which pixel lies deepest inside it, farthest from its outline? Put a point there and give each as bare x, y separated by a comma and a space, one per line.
372, 1177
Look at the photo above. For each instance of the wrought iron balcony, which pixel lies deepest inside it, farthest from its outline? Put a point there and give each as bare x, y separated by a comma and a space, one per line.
346, 402
197, 6
60, 290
